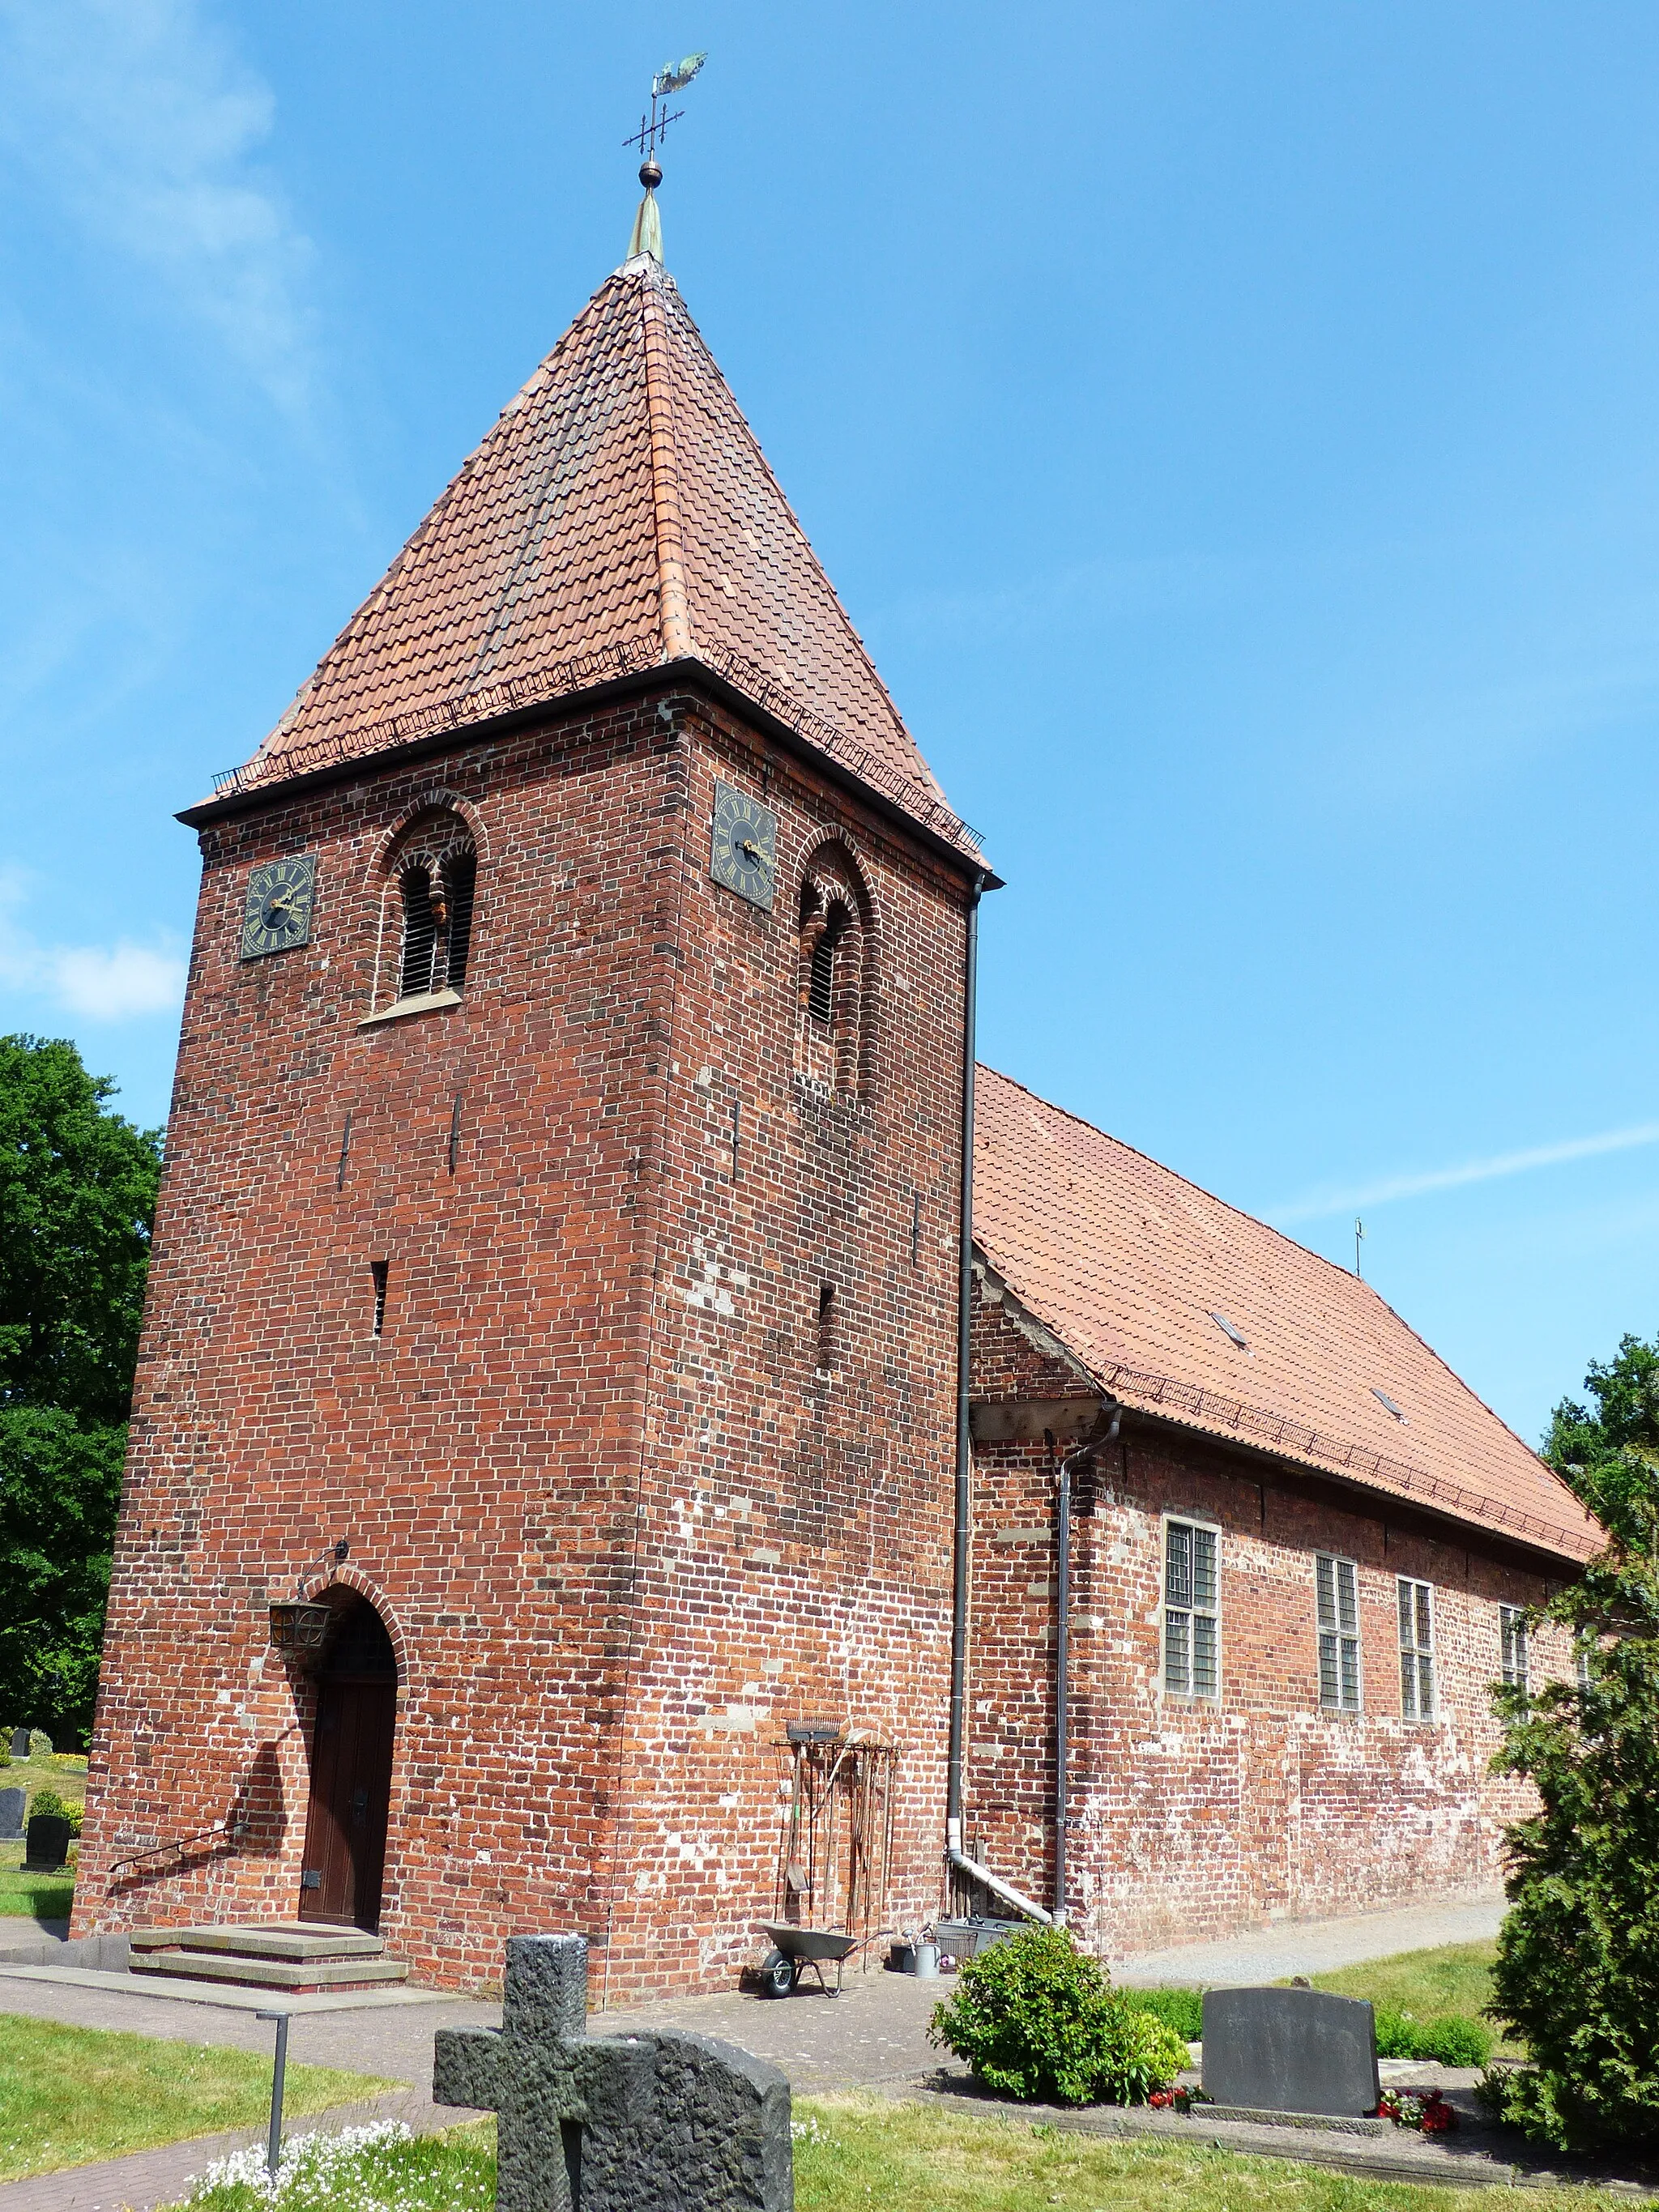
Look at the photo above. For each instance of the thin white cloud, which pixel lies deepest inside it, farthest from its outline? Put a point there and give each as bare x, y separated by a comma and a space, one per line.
117, 982
139, 119
1315, 1205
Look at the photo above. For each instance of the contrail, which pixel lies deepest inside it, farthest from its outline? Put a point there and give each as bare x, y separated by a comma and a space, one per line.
1317, 1203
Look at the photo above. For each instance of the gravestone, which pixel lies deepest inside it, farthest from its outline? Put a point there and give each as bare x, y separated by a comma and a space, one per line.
46, 1842
614, 2123
12, 1803
20, 1743
1289, 2051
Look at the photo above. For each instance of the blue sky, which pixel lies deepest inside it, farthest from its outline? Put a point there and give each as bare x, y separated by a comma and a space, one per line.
1233, 429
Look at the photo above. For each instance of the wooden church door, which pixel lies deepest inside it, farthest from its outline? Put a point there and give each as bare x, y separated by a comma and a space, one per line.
351, 1775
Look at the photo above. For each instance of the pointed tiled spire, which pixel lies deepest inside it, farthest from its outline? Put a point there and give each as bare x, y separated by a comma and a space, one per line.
620, 515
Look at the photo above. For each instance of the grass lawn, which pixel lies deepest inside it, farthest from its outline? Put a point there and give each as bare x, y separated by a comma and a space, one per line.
70, 2095
869, 2155
31, 1896
1428, 1984
65, 1772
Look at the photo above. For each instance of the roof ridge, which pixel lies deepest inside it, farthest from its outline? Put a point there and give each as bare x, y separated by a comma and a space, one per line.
428, 526
673, 612
799, 529
1225, 1204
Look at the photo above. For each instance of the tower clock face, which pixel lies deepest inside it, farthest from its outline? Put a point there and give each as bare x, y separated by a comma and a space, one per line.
277, 913
743, 845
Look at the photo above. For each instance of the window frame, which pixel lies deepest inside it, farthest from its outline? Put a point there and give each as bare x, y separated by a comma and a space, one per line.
1191, 1611
1514, 1658
1337, 1635
1420, 1653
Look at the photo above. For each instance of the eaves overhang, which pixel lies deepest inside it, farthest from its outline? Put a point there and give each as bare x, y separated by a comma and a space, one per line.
959, 851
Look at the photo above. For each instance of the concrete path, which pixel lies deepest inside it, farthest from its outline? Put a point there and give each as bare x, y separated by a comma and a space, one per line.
1314, 1947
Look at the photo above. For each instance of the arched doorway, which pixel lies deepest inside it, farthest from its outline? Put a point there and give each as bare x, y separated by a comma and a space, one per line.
350, 1772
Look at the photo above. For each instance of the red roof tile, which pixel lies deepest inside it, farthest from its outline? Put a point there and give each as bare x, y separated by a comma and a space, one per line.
619, 515
1128, 1265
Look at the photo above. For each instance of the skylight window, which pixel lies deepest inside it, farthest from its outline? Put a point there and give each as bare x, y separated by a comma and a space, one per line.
1383, 1400
1228, 1330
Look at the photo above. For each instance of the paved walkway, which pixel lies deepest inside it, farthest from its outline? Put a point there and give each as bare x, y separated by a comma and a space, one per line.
1315, 1947
873, 2036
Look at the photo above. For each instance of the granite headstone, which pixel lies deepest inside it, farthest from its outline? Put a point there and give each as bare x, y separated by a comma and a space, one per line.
614, 2123
20, 1743
12, 1803
1289, 2051
47, 1842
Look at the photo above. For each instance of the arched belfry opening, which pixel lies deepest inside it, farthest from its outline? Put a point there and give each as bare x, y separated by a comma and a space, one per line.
351, 1770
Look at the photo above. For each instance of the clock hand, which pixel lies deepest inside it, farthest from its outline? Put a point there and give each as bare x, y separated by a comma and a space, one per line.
745, 845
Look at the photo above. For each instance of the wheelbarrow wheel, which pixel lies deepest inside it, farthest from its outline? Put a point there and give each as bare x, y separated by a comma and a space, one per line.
777, 1975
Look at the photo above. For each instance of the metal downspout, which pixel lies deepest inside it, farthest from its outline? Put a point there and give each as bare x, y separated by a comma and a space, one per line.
963, 1531
1112, 1412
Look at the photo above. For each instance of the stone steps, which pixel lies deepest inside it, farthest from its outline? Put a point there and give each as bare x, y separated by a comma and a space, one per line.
296, 1957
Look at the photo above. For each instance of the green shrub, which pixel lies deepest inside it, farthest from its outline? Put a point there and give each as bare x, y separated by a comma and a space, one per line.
1037, 2019
1453, 2040
39, 1745
66, 1808
1181, 2010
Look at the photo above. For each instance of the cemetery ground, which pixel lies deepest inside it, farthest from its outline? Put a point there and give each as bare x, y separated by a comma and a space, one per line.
31, 1896
70, 2096
860, 2152
882, 2119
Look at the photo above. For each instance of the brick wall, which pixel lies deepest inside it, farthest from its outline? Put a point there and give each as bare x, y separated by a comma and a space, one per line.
1192, 1818
620, 1527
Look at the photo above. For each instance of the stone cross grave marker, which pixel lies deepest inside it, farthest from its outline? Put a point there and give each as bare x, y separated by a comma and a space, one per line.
1289, 2051
614, 2123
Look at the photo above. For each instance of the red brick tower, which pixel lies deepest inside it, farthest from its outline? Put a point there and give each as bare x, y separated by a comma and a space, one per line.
560, 1211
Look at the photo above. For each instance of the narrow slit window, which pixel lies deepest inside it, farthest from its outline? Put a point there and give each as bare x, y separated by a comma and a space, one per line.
821, 987
1192, 1610
460, 876
380, 1270
1512, 1646
1337, 1583
827, 1318
1416, 1650
420, 933
1583, 1655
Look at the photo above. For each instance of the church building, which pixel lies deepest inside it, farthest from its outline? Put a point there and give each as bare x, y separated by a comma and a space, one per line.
582, 1476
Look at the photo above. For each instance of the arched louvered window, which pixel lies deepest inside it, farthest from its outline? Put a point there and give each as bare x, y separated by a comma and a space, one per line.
836, 954
433, 895
420, 932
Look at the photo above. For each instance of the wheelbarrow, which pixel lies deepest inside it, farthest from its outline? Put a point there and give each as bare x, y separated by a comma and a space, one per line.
795, 1949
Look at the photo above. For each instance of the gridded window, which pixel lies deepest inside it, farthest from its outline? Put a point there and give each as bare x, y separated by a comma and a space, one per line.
1583, 1653
1337, 1581
1512, 1645
1192, 1610
1416, 1650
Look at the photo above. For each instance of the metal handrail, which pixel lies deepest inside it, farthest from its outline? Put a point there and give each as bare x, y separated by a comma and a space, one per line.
220, 1830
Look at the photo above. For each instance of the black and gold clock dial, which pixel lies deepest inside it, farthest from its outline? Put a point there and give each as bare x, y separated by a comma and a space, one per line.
276, 914
743, 851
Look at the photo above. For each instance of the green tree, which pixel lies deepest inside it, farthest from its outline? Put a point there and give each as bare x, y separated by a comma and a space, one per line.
1577, 1970
77, 1196
1610, 1456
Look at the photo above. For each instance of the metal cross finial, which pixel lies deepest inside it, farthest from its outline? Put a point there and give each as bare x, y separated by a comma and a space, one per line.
653, 127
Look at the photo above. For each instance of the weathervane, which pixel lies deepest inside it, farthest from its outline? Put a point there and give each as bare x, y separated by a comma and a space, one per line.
673, 77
